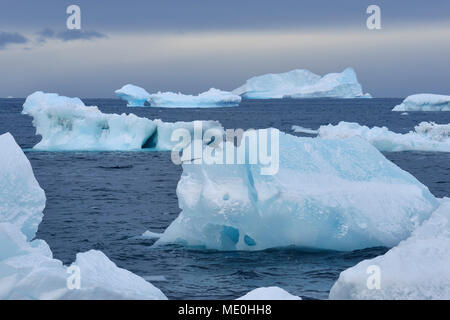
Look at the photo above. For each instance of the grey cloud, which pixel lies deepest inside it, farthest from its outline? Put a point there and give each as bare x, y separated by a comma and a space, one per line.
69, 35
7, 38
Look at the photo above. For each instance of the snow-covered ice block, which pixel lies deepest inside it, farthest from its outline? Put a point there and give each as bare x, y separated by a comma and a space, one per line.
27, 268
269, 293
134, 95
327, 194
67, 124
209, 99
418, 268
22, 199
302, 83
427, 136
424, 102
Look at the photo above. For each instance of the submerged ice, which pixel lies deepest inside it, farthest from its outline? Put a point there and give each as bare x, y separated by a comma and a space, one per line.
67, 124
327, 194
27, 267
424, 102
134, 95
209, 99
427, 136
418, 268
302, 83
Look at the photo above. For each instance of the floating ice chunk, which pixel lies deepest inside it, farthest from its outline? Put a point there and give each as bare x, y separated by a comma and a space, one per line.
269, 293
209, 99
151, 235
302, 84
327, 194
22, 199
67, 124
27, 268
418, 268
428, 136
424, 102
134, 95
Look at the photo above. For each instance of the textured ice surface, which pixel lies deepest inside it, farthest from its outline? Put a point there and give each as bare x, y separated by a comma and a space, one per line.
427, 136
22, 199
327, 194
134, 95
209, 99
269, 293
418, 268
67, 124
302, 84
424, 102
27, 268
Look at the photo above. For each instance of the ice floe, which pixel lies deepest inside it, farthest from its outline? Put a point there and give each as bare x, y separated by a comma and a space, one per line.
269, 293
134, 95
424, 102
209, 99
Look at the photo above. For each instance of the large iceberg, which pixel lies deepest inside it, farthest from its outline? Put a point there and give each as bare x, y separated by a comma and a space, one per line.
67, 124
418, 268
302, 83
424, 102
134, 95
427, 136
327, 194
209, 99
27, 268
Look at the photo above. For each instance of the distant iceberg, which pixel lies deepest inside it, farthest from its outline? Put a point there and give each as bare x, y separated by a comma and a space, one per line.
327, 194
209, 99
418, 268
428, 136
424, 102
67, 124
302, 83
27, 268
269, 293
136, 96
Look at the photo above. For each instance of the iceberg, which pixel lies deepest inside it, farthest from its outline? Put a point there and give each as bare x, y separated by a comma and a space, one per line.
327, 195
209, 99
134, 95
416, 269
27, 267
302, 83
66, 124
269, 293
424, 102
427, 136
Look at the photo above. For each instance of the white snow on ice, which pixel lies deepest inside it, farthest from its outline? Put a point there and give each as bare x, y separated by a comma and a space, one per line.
424, 102
27, 268
327, 194
427, 136
418, 268
302, 83
209, 99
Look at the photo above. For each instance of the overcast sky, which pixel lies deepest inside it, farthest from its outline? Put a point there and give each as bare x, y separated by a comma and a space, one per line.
192, 45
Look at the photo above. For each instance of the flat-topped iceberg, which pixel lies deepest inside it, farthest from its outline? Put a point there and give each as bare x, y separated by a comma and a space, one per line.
424, 102
327, 194
209, 99
67, 124
427, 136
269, 293
27, 268
302, 83
134, 95
418, 268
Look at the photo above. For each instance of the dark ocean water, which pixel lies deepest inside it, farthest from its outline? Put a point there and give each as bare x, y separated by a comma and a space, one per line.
104, 200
